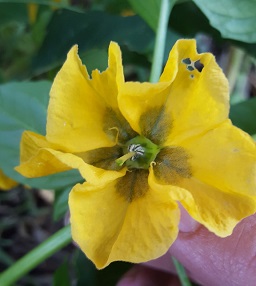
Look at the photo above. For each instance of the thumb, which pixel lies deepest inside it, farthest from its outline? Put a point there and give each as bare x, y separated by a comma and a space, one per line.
211, 260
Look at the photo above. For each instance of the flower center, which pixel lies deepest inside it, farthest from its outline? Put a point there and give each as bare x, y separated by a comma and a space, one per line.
139, 152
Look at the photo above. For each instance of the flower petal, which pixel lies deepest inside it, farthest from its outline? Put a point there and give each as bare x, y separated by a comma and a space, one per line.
184, 103
95, 225
39, 158
35, 160
104, 158
216, 209
224, 157
107, 83
6, 183
135, 231
76, 113
142, 105
199, 97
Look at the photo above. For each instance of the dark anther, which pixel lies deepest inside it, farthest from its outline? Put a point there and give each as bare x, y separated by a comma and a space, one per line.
187, 61
199, 66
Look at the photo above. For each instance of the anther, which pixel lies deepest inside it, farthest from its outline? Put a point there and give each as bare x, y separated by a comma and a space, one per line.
138, 149
134, 152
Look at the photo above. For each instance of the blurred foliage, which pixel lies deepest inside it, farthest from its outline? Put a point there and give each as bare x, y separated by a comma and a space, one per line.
234, 19
23, 107
33, 47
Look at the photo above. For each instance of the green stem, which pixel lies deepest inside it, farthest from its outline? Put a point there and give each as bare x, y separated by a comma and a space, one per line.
184, 280
54, 243
236, 59
161, 32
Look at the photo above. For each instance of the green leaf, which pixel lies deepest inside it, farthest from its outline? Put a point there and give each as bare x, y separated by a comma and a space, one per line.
243, 115
61, 275
148, 10
50, 3
86, 30
181, 272
23, 106
181, 20
112, 6
235, 19
22, 102
86, 272
60, 203
12, 12
95, 59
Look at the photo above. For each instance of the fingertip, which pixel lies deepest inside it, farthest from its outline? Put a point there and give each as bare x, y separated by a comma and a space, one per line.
144, 276
187, 223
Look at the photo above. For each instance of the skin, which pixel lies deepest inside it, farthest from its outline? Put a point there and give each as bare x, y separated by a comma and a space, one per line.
208, 259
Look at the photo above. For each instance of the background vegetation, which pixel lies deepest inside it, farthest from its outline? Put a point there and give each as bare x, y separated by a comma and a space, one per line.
35, 37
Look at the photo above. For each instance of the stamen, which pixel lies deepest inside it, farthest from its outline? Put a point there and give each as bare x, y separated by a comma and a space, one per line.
134, 151
140, 153
138, 149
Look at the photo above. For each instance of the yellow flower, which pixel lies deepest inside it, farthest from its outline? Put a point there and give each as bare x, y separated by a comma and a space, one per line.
142, 148
6, 183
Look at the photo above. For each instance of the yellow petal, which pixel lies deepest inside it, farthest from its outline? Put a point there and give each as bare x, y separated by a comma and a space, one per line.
108, 227
6, 183
224, 157
107, 83
216, 209
40, 158
31, 143
179, 106
141, 105
76, 113
97, 215
149, 229
35, 159
198, 98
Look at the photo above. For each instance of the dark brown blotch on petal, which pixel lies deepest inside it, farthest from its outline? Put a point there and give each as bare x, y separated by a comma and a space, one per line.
133, 185
114, 120
156, 124
103, 157
172, 165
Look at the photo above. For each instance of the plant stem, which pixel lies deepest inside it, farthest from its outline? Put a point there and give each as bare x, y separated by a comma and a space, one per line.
181, 273
161, 32
236, 59
51, 245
